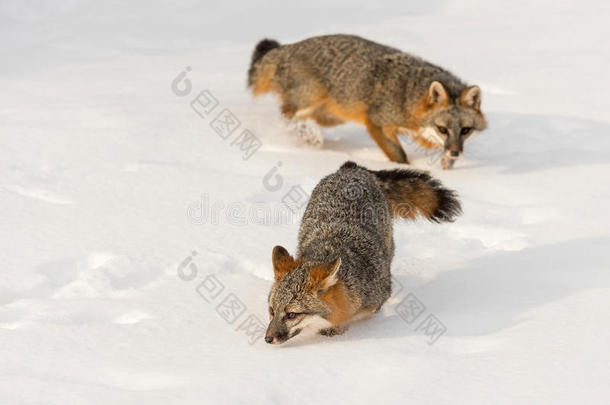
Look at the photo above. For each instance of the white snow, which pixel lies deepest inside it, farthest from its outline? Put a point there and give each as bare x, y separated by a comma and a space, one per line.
109, 182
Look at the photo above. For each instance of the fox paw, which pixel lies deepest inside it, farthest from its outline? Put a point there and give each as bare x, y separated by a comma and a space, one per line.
335, 330
308, 132
447, 162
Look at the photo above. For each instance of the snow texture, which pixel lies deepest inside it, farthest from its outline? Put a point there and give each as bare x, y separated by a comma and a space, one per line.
130, 217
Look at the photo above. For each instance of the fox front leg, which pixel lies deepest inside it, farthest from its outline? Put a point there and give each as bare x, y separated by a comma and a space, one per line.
388, 142
304, 127
334, 330
447, 162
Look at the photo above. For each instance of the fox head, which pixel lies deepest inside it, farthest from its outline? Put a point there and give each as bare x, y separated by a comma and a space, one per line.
296, 298
448, 120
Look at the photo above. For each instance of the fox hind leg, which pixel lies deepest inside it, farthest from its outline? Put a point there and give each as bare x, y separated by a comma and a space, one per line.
310, 116
325, 118
297, 109
307, 131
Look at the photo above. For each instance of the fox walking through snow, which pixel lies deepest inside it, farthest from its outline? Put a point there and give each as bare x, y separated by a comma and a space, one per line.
336, 78
341, 271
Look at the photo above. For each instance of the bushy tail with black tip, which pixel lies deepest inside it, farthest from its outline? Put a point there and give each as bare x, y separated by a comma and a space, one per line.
411, 193
261, 49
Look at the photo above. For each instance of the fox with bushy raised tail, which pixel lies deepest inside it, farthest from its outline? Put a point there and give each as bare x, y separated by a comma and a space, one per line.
341, 270
336, 78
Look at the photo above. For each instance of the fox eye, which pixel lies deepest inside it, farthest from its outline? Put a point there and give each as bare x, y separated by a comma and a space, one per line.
291, 315
442, 130
465, 130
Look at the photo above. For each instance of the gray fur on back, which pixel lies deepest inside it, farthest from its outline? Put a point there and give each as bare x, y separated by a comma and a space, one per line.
348, 216
355, 69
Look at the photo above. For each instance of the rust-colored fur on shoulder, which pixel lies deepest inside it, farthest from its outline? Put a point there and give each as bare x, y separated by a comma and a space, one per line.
342, 306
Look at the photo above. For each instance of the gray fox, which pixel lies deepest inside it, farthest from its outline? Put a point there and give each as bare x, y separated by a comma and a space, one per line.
341, 271
336, 78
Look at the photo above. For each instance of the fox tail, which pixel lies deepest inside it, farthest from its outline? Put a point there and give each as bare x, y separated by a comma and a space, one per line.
411, 193
260, 50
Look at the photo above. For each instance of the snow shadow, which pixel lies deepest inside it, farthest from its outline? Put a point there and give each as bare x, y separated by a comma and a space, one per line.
496, 292
516, 143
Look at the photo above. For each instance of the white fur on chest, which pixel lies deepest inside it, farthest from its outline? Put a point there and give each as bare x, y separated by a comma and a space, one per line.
315, 323
427, 133
311, 325
430, 134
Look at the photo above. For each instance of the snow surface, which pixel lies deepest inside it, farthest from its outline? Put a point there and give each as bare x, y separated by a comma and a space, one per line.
104, 173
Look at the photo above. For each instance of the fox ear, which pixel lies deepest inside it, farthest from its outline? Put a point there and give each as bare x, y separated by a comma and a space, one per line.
437, 93
471, 97
282, 262
324, 276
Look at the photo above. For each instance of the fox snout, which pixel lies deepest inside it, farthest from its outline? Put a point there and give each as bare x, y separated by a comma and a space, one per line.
454, 147
275, 337
279, 335
277, 332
